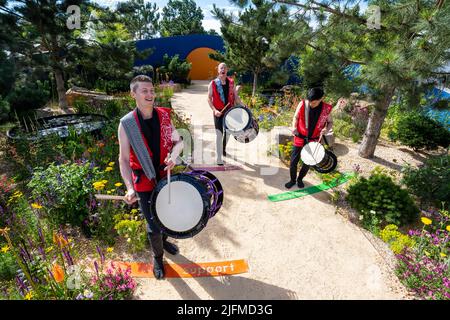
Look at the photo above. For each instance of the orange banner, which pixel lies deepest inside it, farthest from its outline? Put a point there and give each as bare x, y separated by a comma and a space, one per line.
206, 269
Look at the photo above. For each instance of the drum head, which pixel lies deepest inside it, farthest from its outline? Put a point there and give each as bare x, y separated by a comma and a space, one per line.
237, 119
248, 135
186, 213
312, 153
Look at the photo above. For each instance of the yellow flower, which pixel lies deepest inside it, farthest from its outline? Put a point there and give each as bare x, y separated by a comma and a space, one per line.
129, 240
17, 194
111, 164
99, 185
448, 228
118, 184
133, 211
108, 169
110, 249
104, 181
426, 253
59, 240
108, 192
90, 150
443, 255
426, 221
5, 249
29, 295
49, 249
36, 206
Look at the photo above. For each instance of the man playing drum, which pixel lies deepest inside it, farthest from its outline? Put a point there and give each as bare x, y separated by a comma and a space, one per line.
222, 95
319, 122
147, 141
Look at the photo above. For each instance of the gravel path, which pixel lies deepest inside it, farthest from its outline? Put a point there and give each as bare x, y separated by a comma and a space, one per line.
296, 249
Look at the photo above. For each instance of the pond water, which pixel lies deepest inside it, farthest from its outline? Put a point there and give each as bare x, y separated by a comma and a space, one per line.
61, 125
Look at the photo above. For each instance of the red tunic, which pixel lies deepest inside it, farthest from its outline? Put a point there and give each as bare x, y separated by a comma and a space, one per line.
145, 184
321, 123
217, 102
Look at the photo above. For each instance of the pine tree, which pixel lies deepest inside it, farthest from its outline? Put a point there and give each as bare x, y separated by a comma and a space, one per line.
409, 42
250, 39
181, 17
141, 19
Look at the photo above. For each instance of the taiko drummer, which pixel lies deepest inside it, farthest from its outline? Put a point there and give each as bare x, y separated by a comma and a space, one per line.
149, 145
221, 96
312, 119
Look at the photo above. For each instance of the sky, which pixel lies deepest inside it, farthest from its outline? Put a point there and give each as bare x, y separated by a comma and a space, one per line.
206, 5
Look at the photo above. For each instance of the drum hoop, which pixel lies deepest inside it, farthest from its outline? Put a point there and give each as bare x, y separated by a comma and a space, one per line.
333, 166
203, 194
218, 190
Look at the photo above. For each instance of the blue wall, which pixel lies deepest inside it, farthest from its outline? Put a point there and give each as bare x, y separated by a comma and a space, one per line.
181, 45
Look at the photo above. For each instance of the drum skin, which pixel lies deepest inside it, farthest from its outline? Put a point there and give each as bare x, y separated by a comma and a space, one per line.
242, 132
202, 195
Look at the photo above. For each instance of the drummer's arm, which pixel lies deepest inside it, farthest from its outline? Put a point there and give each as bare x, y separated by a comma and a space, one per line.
295, 119
329, 125
124, 163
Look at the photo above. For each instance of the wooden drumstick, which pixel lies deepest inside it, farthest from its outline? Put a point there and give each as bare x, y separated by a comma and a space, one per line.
224, 107
168, 182
110, 197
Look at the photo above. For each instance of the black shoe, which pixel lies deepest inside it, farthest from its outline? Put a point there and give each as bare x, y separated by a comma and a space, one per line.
158, 268
219, 162
300, 184
171, 248
290, 184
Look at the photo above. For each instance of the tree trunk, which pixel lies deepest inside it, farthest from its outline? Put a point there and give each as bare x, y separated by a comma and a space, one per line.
373, 130
255, 81
61, 89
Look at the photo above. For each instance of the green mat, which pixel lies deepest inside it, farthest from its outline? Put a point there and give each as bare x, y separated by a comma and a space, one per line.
311, 190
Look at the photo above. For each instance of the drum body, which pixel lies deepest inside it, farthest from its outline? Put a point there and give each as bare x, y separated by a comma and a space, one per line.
314, 154
195, 197
239, 122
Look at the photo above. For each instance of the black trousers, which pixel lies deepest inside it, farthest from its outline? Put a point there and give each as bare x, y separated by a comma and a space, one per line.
295, 157
155, 236
221, 138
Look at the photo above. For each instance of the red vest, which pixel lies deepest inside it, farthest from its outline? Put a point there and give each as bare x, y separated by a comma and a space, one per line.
144, 184
217, 102
301, 127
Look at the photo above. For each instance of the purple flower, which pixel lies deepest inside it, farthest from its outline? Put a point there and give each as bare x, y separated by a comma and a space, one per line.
96, 267
100, 253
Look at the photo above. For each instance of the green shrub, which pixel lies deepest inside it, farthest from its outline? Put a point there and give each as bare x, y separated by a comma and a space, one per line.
64, 191
431, 182
420, 132
29, 95
4, 109
133, 229
175, 68
379, 201
8, 265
